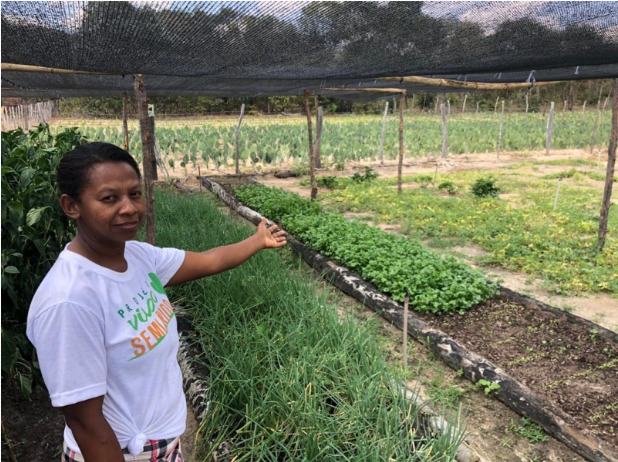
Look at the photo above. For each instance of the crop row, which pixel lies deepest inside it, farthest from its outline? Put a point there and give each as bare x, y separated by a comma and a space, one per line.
356, 138
391, 262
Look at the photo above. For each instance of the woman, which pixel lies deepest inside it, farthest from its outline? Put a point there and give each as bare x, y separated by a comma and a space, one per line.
101, 322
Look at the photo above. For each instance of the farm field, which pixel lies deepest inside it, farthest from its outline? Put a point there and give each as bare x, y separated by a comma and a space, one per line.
518, 240
509, 442
276, 141
547, 353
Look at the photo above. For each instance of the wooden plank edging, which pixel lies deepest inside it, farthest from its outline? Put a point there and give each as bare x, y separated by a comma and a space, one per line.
515, 395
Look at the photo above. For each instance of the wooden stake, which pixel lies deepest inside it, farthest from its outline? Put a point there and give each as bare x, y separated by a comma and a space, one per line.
557, 193
237, 140
148, 155
125, 125
406, 302
500, 132
550, 128
314, 185
318, 131
401, 150
463, 106
383, 133
526, 102
444, 131
609, 173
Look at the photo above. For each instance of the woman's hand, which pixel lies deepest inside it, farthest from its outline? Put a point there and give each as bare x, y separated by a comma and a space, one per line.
272, 237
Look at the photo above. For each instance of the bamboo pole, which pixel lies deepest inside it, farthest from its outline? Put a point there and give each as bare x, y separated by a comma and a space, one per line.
383, 133
314, 186
609, 173
237, 140
550, 128
10, 67
467, 85
402, 98
366, 90
444, 131
125, 124
148, 155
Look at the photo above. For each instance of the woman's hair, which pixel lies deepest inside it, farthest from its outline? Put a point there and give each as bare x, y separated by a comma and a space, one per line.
74, 168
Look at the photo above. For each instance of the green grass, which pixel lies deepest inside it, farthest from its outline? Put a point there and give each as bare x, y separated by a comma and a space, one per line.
519, 230
289, 379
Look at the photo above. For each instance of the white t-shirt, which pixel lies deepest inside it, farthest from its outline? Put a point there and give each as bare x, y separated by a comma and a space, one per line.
100, 332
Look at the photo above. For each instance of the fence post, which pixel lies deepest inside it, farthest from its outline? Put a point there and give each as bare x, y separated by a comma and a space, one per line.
125, 125
550, 128
444, 131
237, 140
314, 186
383, 133
148, 155
402, 98
609, 174
500, 132
463, 106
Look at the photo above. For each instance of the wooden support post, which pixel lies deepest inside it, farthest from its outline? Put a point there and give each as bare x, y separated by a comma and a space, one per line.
584, 107
527, 102
609, 173
477, 107
125, 125
500, 132
383, 133
550, 128
314, 186
496, 105
596, 121
237, 140
148, 155
318, 136
463, 106
444, 131
402, 98
151, 123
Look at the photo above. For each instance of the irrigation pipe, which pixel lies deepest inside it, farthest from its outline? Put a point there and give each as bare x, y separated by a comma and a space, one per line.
515, 395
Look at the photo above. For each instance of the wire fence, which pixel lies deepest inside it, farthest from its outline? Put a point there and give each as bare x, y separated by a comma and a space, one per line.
28, 115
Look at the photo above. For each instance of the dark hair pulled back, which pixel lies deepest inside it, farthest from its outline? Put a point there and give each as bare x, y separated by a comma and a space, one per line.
74, 168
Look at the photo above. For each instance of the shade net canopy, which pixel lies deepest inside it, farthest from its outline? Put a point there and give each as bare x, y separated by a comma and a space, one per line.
261, 48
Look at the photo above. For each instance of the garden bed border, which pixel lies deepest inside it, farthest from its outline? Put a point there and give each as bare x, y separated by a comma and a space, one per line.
515, 395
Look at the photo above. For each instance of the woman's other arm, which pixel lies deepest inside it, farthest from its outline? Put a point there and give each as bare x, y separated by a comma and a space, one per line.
96, 439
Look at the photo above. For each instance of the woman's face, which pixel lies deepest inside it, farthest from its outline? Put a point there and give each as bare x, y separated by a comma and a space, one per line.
111, 207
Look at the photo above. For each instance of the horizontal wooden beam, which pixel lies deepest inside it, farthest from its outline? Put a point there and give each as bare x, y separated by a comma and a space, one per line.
6, 67
448, 83
369, 90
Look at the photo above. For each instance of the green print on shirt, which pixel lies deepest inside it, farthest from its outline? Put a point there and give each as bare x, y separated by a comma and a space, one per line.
155, 283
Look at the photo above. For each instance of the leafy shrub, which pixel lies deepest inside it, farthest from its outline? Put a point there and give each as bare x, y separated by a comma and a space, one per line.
369, 175
449, 187
561, 175
423, 180
485, 187
391, 262
34, 231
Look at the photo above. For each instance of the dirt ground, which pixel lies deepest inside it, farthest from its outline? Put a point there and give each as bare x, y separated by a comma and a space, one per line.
34, 429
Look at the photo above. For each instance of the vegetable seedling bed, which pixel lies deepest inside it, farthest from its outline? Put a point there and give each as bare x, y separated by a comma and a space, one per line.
553, 367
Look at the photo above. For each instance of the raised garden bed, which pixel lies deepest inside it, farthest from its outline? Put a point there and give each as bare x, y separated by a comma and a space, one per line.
551, 366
